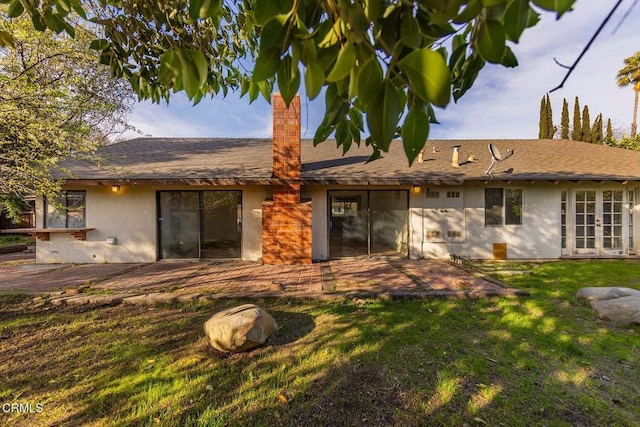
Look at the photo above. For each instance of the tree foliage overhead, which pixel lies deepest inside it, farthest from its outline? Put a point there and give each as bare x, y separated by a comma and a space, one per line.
383, 64
56, 101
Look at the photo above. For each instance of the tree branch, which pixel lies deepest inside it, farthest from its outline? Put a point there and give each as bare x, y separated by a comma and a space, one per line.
586, 48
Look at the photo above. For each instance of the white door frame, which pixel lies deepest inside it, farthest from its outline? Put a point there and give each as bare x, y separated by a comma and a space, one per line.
598, 227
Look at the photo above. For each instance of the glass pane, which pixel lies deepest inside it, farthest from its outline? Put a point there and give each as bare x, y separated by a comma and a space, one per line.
579, 207
580, 243
606, 207
580, 196
580, 230
607, 230
617, 195
493, 199
348, 223
591, 196
607, 242
179, 224
606, 218
55, 218
617, 230
591, 219
591, 208
580, 219
513, 206
617, 218
389, 222
591, 243
221, 224
606, 196
591, 231
617, 207
617, 242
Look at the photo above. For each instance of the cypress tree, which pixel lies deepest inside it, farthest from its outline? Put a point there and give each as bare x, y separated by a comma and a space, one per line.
609, 133
586, 125
576, 134
596, 130
551, 130
564, 124
542, 124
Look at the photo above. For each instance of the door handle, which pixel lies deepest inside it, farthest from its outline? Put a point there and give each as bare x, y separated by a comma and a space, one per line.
597, 223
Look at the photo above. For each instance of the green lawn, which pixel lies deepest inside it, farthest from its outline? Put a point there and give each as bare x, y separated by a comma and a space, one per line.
539, 360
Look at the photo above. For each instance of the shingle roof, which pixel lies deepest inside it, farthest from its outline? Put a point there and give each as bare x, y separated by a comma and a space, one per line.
228, 161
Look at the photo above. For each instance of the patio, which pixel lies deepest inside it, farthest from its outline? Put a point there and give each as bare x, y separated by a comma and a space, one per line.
187, 281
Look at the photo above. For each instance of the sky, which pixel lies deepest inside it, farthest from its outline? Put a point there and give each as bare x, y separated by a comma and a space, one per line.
504, 103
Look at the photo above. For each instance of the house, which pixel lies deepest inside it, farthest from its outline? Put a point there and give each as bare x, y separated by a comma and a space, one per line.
285, 201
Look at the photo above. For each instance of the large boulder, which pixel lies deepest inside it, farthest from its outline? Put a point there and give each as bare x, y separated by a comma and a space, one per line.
597, 294
239, 328
618, 304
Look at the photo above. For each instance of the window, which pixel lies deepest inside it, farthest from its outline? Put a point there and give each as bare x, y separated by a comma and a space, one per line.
430, 194
67, 212
502, 206
453, 194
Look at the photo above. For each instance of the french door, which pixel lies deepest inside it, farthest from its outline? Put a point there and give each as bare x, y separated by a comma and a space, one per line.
363, 223
599, 227
200, 224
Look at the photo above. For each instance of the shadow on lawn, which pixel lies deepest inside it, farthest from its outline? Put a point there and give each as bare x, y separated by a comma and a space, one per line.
436, 362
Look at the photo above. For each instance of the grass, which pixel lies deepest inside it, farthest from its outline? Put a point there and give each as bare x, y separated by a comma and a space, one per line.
541, 360
15, 239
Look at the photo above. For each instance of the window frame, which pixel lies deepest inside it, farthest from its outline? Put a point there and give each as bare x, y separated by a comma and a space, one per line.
66, 210
490, 213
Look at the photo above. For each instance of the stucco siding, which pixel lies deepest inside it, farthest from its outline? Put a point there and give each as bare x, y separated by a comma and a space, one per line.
537, 237
129, 216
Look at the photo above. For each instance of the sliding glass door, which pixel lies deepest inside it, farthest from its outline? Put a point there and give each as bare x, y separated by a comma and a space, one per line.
363, 223
200, 224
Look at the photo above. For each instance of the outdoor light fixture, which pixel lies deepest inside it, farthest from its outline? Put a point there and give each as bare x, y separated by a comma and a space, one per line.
116, 188
415, 189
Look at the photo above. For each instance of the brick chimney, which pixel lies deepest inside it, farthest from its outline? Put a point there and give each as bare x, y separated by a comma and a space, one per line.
286, 138
286, 222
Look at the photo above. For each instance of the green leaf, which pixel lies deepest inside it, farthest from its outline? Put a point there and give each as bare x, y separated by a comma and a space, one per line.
370, 81
473, 9
267, 64
314, 80
383, 115
322, 133
264, 10
210, 9
560, 6
6, 39
516, 18
415, 131
410, 31
488, 3
99, 44
428, 75
509, 59
288, 79
491, 40
200, 63
345, 62
15, 9
343, 135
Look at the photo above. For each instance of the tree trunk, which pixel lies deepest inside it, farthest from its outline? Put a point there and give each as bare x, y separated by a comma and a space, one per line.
634, 123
